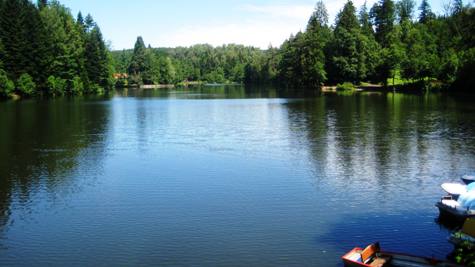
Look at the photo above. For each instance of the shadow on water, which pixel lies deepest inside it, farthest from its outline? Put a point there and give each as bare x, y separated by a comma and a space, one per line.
384, 156
41, 142
214, 92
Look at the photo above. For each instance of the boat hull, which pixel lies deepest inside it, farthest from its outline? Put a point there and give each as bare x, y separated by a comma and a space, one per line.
447, 212
468, 179
397, 259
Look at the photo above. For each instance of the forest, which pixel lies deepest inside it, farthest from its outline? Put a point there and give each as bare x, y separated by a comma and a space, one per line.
391, 43
44, 50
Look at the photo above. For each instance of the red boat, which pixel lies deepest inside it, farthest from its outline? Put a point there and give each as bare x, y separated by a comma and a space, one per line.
372, 256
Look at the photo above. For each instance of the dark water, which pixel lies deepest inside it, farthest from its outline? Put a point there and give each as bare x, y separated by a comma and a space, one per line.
226, 177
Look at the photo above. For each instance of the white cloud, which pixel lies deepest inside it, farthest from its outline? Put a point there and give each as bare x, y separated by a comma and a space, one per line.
252, 32
263, 25
282, 11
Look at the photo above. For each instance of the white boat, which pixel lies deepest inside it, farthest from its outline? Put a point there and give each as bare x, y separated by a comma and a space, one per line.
454, 189
459, 208
468, 179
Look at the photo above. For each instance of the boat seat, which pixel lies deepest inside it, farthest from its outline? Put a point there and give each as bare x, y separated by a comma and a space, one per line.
450, 203
370, 256
379, 262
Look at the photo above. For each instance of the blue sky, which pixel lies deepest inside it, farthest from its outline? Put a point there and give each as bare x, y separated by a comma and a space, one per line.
170, 23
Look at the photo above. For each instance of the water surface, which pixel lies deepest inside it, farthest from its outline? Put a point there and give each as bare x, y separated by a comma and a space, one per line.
226, 177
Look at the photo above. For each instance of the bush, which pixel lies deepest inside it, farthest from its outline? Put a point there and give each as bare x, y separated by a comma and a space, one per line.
215, 76
96, 89
6, 85
56, 85
26, 85
77, 86
465, 254
465, 79
345, 87
121, 83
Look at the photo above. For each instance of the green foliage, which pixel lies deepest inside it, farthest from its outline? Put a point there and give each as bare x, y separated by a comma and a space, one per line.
56, 85
96, 89
303, 58
465, 76
347, 86
167, 73
196, 63
138, 64
426, 13
383, 15
19, 20
26, 85
384, 46
77, 86
465, 254
421, 56
45, 40
216, 76
365, 22
42, 3
6, 85
347, 19
353, 51
97, 59
63, 46
262, 70
405, 10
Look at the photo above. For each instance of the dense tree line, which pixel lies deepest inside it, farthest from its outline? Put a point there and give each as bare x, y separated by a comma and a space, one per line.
228, 63
381, 45
45, 50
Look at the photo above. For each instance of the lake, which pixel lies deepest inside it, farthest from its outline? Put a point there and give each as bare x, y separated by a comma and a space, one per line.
227, 176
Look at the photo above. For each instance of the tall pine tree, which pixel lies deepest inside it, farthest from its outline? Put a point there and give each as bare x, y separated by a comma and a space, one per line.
426, 13
405, 10
138, 63
383, 15
365, 22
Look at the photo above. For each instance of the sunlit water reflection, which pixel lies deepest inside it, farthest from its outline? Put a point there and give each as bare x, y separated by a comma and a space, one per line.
226, 176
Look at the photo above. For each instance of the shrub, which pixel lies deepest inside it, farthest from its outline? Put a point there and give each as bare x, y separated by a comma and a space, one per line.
6, 85
345, 87
26, 85
96, 89
122, 83
56, 85
465, 254
77, 86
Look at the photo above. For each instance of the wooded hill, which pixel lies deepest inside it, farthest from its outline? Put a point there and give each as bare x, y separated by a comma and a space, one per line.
382, 44
45, 50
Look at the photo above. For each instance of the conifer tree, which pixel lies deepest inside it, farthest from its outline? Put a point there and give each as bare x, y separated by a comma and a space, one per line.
405, 10
457, 7
351, 50
312, 45
365, 22
97, 60
80, 19
89, 23
383, 14
18, 21
426, 13
137, 65
42, 3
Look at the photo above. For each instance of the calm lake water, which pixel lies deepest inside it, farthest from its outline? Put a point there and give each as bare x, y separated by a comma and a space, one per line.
226, 177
